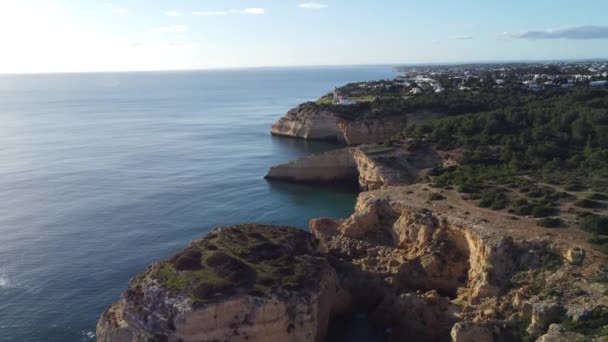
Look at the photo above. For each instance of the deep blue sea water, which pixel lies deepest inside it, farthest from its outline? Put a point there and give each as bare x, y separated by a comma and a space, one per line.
101, 174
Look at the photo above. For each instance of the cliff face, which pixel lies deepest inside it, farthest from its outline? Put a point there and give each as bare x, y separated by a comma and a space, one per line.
447, 270
244, 283
308, 121
312, 122
371, 166
330, 167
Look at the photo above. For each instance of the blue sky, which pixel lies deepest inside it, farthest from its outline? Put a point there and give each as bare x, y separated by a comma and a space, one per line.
92, 35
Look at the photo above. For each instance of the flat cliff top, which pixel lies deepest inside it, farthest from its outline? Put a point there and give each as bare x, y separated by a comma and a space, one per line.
490, 225
258, 260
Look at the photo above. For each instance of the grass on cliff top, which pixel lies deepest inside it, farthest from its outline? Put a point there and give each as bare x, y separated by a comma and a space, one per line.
253, 259
596, 325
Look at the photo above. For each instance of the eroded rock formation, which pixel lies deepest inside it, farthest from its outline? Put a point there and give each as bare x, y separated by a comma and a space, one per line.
331, 167
243, 283
314, 122
423, 263
371, 166
452, 271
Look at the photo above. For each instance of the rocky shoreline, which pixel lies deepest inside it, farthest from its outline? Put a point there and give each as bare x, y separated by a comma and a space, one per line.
427, 270
422, 262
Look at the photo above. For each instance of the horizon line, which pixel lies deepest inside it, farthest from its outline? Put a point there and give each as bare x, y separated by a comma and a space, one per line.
236, 68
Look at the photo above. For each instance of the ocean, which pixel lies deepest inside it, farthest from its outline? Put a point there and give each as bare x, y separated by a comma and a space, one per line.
102, 174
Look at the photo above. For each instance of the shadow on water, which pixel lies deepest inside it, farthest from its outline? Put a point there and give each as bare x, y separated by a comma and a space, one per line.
354, 327
303, 147
314, 189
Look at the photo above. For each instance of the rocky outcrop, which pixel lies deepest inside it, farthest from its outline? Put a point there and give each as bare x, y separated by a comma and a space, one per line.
390, 165
370, 166
243, 283
557, 333
469, 274
311, 122
337, 166
315, 122
422, 263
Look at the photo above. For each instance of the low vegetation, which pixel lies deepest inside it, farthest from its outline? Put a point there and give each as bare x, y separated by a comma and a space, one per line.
596, 325
252, 259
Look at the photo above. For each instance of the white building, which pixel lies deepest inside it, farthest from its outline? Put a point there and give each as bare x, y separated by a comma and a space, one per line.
342, 100
416, 91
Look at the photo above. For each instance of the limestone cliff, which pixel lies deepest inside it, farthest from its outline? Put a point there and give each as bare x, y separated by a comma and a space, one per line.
370, 166
424, 264
331, 167
243, 283
448, 270
315, 122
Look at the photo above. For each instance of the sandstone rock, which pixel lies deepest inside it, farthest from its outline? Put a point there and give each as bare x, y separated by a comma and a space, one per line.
543, 315
372, 166
471, 332
557, 333
330, 167
575, 255
250, 293
314, 122
309, 121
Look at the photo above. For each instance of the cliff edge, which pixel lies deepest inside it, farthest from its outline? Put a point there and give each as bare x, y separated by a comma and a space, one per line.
311, 121
241, 283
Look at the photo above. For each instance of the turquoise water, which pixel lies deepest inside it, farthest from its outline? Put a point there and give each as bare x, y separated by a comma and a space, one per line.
101, 174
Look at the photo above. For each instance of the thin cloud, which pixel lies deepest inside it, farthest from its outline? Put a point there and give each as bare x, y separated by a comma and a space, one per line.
251, 11
254, 11
209, 13
575, 33
312, 5
462, 37
170, 29
173, 13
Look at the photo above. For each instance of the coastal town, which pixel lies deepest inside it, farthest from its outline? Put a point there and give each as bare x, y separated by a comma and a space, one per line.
419, 80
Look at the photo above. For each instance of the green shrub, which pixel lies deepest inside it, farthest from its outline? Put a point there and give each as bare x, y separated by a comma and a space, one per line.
543, 211
468, 188
594, 325
598, 197
589, 204
549, 222
494, 199
436, 197
595, 224
551, 262
574, 187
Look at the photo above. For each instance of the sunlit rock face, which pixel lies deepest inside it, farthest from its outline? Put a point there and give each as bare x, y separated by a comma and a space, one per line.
313, 122
438, 269
242, 283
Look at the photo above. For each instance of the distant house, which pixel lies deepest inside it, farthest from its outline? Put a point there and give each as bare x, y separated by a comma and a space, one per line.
416, 91
500, 81
342, 100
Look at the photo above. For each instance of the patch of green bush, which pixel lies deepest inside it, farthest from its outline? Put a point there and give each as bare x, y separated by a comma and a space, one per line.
436, 197
550, 222
494, 199
589, 204
598, 197
595, 325
595, 224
